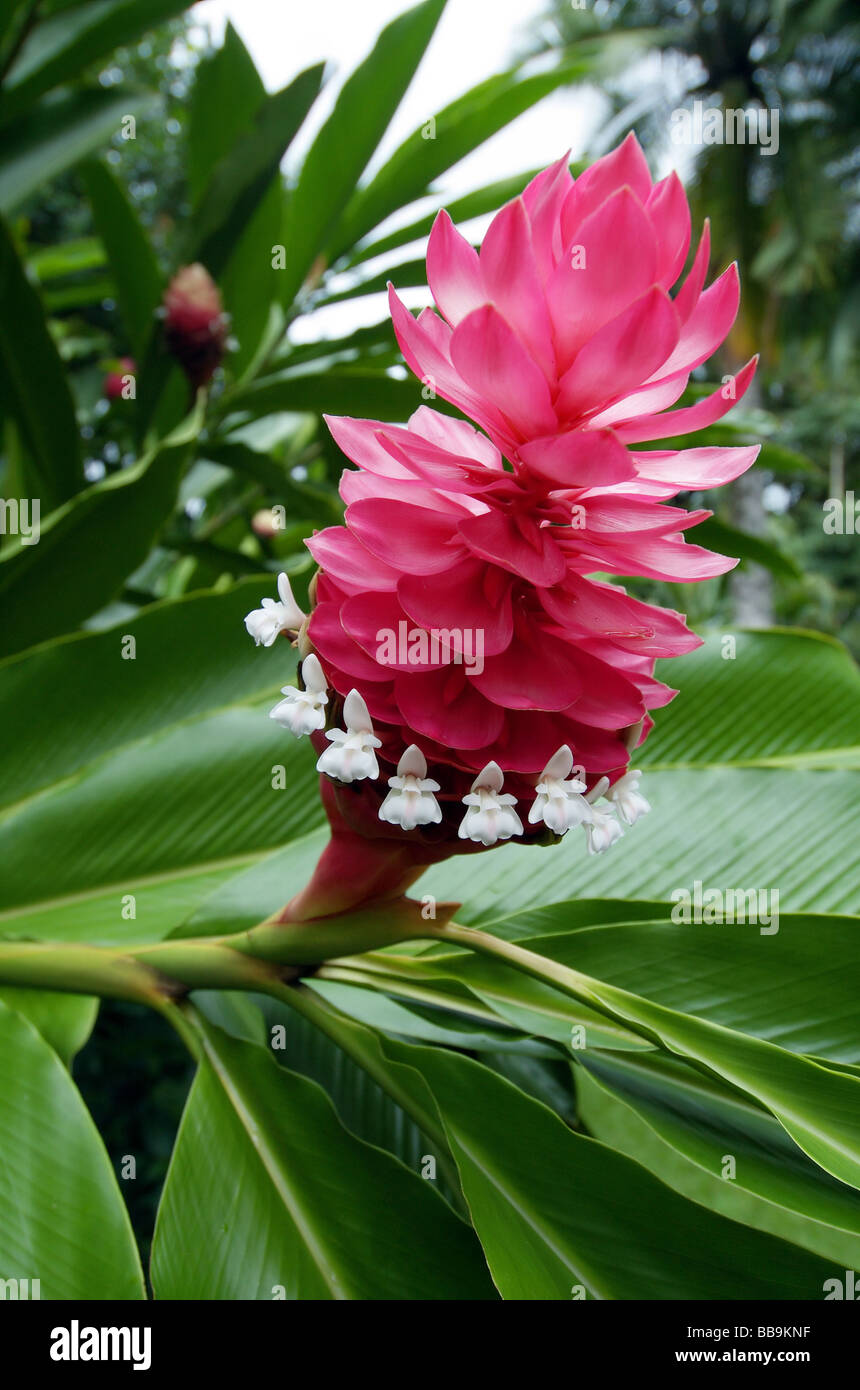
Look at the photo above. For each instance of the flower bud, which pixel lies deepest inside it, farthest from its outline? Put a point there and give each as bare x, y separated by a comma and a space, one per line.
115, 382
195, 325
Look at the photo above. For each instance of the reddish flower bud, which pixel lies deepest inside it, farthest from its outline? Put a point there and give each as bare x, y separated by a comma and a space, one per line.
195, 324
115, 382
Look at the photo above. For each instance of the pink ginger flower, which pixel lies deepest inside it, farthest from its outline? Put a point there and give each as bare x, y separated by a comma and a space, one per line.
563, 325
457, 613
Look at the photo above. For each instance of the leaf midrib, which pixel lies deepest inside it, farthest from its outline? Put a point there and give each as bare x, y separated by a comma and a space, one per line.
278, 1178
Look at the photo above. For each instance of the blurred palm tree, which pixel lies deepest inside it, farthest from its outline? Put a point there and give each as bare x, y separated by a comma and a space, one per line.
790, 216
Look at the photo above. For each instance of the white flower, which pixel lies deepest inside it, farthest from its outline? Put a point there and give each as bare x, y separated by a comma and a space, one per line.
559, 802
602, 831
627, 798
411, 801
490, 816
265, 624
303, 711
351, 756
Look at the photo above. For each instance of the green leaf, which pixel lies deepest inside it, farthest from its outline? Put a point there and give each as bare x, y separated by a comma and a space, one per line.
66, 258
684, 1127
89, 545
342, 1220
464, 1024
793, 986
33, 384
150, 779
407, 274
528, 1005
345, 391
61, 46
241, 178
477, 204
131, 258
728, 827
347, 140
226, 95
60, 132
228, 92
301, 498
64, 1020
557, 1212
236, 188
820, 1109
363, 1106
460, 128
772, 698
64, 1221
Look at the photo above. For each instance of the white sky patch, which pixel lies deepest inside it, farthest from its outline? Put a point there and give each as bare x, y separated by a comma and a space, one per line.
474, 39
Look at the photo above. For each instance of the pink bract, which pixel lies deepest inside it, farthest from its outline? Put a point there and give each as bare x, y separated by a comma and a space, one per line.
561, 340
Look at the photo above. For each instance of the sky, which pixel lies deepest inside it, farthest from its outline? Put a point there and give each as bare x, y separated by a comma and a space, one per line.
475, 39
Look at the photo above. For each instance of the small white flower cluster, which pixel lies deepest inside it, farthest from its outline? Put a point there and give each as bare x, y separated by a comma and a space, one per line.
561, 800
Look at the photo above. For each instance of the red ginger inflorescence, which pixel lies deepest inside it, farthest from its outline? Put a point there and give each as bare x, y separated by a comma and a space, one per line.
490, 687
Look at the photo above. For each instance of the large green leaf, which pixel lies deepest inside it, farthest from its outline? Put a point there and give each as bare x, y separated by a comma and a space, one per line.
796, 988
33, 384
63, 45
294, 1201
528, 1005
819, 1108
773, 698
62, 130
347, 140
727, 827
686, 1129
562, 1216
363, 1106
64, 1221
154, 777
90, 544
132, 260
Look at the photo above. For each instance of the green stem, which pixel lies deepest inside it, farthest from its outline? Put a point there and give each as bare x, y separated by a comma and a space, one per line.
527, 962
245, 961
